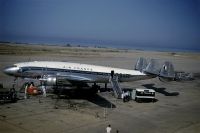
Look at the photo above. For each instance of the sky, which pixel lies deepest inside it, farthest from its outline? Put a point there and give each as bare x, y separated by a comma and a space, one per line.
124, 23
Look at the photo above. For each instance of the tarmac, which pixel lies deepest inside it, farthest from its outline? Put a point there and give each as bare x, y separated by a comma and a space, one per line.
176, 110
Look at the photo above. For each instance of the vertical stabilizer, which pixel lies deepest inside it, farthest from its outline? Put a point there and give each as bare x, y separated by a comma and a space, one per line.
153, 67
167, 70
141, 64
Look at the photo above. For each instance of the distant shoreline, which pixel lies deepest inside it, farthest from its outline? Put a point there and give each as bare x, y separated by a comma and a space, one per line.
137, 48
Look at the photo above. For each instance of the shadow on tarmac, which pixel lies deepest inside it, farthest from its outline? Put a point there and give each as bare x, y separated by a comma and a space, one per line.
160, 90
87, 95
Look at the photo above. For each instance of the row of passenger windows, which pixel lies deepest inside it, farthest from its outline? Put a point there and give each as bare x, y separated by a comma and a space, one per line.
87, 71
52, 69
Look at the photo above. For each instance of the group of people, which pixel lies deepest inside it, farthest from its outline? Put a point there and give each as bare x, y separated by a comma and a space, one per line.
109, 129
29, 88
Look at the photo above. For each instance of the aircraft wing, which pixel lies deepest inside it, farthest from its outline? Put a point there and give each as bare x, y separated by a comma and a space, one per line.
72, 78
46, 76
31, 74
80, 78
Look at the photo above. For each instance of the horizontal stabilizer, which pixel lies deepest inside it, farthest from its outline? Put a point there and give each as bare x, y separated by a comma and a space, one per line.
141, 64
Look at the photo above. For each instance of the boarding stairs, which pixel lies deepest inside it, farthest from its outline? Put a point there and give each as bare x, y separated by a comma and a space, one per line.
115, 86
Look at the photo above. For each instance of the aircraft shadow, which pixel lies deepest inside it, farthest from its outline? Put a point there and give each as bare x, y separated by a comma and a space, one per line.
160, 90
91, 97
102, 102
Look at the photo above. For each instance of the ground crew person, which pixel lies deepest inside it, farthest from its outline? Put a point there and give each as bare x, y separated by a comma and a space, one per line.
108, 129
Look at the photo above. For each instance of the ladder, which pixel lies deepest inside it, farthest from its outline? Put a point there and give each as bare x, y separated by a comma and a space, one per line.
115, 86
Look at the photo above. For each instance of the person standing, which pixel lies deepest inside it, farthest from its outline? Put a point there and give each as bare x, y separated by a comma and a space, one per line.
108, 129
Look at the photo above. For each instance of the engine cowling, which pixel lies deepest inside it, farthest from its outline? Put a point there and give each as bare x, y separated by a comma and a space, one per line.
49, 80
54, 80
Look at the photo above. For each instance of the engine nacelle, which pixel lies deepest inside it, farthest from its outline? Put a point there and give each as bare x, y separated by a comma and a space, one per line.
54, 80
49, 80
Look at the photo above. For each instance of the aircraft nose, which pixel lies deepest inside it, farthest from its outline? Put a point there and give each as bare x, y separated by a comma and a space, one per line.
11, 70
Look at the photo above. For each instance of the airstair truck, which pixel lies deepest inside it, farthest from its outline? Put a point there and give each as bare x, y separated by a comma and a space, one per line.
140, 94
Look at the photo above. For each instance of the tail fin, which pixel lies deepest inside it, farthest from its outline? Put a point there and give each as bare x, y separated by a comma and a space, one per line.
153, 67
167, 70
141, 64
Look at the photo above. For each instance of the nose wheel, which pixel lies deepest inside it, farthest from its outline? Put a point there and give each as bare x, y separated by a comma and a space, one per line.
13, 95
14, 82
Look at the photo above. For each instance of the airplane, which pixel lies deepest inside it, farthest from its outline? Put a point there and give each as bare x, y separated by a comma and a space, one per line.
50, 72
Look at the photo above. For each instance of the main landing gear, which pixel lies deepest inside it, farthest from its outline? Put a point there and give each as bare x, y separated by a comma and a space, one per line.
95, 88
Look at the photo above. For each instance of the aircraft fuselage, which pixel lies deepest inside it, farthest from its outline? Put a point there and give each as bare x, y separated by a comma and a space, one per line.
82, 72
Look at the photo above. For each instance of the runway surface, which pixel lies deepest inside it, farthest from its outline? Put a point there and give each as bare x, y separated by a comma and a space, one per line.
176, 110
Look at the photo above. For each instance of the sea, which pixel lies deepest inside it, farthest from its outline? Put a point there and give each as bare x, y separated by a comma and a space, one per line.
100, 44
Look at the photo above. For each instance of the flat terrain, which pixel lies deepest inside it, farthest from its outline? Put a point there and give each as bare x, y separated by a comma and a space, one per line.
176, 111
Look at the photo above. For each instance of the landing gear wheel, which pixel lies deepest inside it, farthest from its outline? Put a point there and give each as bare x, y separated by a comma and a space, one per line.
13, 95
